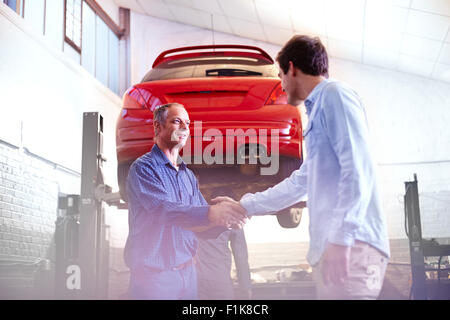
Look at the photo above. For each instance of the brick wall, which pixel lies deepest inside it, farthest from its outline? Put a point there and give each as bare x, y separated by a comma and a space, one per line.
29, 188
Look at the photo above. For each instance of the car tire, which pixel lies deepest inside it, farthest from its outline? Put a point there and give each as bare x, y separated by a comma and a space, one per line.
290, 217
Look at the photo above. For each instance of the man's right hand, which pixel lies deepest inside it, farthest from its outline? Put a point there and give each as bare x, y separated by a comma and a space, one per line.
227, 214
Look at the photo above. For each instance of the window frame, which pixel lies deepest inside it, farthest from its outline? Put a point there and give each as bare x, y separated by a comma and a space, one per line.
66, 38
98, 10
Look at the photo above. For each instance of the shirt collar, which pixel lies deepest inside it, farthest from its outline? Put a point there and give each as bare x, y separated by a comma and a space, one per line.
162, 159
314, 94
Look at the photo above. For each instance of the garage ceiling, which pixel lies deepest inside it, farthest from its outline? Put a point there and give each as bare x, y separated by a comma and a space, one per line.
406, 35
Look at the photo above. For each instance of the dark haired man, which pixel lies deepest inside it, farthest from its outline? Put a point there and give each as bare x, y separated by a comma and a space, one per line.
165, 206
349, 246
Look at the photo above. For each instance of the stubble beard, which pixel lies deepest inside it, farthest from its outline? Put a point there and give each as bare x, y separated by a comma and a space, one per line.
175, 137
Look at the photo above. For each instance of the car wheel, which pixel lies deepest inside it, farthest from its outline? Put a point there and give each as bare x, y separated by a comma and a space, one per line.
122, 174
290, 217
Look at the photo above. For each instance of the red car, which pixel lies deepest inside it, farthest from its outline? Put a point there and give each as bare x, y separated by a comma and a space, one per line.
239, 117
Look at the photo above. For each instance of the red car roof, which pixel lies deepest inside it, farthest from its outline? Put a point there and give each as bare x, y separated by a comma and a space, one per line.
170, 54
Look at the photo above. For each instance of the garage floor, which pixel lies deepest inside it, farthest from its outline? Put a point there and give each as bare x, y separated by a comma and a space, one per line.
396, 284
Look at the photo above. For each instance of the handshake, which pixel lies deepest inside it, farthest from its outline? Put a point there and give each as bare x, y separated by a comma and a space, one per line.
227, 212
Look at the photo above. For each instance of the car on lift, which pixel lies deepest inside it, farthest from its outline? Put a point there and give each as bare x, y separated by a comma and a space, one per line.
223, 88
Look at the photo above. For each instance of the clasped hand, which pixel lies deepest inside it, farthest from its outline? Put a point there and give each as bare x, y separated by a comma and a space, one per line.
227, 212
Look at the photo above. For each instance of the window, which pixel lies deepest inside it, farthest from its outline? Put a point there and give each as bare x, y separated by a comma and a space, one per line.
92, 35
54, 22
84, 31
88, 40
101, 51
100, 45
113, 74
34, 14
72, 33
16, 5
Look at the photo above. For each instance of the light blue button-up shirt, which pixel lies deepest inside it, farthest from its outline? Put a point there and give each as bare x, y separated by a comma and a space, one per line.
337, 176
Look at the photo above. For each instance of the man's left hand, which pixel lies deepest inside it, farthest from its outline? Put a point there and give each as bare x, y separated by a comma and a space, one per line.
335, 264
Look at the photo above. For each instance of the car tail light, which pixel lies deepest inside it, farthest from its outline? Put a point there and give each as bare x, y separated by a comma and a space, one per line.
293, 130
133, 99
152, 101
278, 96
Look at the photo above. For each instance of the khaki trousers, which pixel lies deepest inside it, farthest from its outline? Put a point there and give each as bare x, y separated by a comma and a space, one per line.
365, 278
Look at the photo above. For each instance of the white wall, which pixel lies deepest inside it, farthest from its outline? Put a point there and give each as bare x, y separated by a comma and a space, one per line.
43, 97
408, 118
111, 9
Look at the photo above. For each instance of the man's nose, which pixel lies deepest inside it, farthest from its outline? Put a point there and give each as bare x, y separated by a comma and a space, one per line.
184, 125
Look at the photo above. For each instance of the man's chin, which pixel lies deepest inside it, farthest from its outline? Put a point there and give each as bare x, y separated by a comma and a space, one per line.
294, 102
181, 143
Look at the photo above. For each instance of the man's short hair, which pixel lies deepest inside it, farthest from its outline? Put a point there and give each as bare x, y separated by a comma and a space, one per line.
306, 53
160, 112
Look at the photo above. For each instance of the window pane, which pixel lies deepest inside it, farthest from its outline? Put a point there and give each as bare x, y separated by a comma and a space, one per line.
77, 34
77, 10
70, 6
73, 21
113, 62
12, 4
54, 23
101, 51
88, 38
34, 14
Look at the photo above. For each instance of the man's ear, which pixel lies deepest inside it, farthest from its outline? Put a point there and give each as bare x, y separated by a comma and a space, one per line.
156, 127
292, 69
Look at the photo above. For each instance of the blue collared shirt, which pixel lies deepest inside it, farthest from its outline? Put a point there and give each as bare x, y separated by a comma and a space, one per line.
162, 202
338, 175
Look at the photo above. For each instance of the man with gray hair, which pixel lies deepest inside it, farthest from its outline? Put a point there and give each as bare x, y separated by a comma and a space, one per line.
165, 208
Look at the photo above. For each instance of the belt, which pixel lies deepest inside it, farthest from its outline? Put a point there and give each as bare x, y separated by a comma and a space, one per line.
183, 265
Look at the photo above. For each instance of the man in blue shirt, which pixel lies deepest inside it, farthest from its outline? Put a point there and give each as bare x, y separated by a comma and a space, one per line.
349, 246
165, 208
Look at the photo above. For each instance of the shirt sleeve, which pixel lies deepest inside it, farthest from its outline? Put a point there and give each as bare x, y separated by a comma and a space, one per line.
144, 187
285, 194
200, 195
346, 127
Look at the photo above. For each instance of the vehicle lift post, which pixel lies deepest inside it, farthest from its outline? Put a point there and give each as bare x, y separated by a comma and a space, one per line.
93, 242
86, 270
412, 215
422, 248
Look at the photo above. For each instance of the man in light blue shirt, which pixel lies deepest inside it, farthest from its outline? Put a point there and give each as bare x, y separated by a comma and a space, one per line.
349, 247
